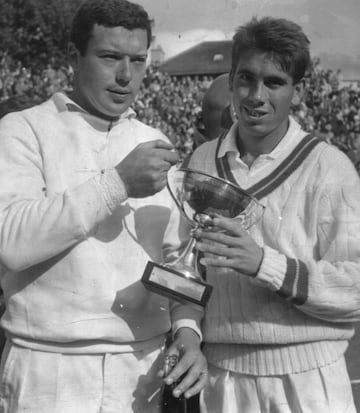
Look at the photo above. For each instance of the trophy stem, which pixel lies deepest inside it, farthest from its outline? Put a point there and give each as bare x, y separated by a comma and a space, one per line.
187, 261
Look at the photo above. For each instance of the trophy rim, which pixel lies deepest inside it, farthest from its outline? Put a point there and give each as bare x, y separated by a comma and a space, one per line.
217, 178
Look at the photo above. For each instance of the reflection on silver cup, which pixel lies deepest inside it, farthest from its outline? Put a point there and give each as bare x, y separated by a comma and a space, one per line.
198, 196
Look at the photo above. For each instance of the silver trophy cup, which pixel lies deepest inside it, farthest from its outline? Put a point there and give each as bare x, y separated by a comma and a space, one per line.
198, 196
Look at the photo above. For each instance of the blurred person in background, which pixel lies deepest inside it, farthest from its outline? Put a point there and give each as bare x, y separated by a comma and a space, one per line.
82, 209
17, 103
217, 113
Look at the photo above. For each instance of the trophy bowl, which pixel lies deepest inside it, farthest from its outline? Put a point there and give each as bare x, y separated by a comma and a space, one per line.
198, 196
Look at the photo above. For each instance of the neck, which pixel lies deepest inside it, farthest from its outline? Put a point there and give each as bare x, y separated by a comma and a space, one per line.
251, 146
91, 110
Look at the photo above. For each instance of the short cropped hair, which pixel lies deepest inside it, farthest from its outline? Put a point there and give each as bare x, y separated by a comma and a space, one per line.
108, 13
283, 40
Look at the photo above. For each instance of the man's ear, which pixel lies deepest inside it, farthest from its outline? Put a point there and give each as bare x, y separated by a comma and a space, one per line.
73, 55
299, 91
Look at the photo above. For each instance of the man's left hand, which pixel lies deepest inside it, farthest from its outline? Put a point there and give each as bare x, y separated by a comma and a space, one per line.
191, 368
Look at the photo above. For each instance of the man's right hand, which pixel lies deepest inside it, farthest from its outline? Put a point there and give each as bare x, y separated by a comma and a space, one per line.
144, 169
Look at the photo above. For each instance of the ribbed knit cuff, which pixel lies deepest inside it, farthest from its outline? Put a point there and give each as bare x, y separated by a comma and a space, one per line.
289, 277
112, 188
272, 269
295, 287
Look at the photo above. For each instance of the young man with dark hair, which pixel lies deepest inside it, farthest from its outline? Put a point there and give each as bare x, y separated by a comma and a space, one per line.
287, 290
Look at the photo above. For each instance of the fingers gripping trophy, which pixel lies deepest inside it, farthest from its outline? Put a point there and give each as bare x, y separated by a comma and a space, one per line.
199, 197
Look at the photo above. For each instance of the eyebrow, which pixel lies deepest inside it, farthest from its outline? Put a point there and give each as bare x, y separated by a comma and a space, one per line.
279, 77
116, 52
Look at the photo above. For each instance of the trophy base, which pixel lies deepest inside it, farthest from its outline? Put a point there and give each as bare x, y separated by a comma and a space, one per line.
172, 284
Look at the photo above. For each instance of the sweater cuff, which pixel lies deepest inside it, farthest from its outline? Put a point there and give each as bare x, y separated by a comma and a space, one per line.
186, 315
272, 269
112, 188
289, 277
189, 324
295, 287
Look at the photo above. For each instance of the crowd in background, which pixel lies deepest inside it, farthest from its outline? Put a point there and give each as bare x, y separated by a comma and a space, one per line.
173, 104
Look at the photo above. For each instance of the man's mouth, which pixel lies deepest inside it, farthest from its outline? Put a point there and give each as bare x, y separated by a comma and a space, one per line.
255, 113
119, 92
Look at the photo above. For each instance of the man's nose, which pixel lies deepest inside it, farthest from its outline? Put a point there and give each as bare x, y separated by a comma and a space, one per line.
257, 92
123, 72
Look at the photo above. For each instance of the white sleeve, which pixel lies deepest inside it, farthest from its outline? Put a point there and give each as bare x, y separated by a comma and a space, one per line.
328, 285
34, 227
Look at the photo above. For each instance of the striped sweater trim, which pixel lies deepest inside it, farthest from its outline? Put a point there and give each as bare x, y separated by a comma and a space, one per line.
223, 168
286, 168
265, 186
296, 282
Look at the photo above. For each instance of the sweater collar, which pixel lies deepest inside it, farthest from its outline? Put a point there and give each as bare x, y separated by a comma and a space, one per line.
65, 104
287, 142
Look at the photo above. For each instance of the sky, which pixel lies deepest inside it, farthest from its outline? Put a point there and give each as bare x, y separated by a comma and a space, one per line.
333, 26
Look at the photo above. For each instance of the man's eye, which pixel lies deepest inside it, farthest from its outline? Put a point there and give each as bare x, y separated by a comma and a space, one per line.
244, 77
139, 60
108, 57
274, 83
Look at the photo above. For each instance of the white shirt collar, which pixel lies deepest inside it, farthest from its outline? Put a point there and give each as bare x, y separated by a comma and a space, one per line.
290, 140
65, 104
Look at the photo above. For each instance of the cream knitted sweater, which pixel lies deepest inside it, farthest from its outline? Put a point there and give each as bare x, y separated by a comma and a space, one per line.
297, 313
73, 244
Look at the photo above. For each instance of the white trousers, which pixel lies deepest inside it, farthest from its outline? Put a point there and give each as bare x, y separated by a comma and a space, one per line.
323, 390
43, 382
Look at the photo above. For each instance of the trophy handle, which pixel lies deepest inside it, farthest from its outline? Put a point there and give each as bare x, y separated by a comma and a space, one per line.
180, 207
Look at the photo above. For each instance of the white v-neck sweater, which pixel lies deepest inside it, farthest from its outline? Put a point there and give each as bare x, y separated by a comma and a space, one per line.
297, 313
73, 244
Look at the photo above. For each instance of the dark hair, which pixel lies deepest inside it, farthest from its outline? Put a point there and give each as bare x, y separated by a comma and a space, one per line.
282, 39
108, 13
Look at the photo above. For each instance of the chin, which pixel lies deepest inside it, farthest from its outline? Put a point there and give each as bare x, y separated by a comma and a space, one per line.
116, 111
121, 107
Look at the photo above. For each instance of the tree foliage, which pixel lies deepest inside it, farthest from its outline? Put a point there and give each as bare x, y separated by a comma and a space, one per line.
36, 31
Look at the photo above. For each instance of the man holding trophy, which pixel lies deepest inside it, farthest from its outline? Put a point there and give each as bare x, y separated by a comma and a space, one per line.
286, 287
